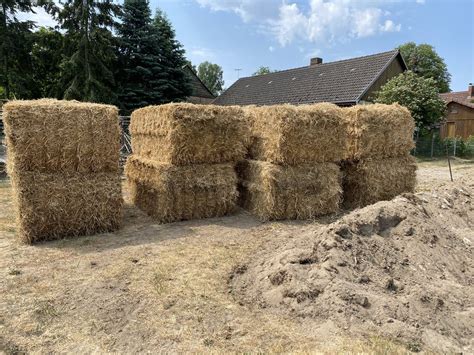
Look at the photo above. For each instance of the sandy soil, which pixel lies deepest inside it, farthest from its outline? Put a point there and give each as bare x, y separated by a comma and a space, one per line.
169, 287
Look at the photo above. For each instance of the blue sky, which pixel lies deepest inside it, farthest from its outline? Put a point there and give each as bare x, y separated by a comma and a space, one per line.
284, 34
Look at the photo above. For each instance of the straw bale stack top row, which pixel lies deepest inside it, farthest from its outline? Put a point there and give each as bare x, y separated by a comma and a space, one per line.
294, 135
184, 133
49, 135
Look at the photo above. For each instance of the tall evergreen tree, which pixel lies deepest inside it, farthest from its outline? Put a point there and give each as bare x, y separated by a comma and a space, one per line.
15, 66
86, 73
46, 57
150, 59
177, 85
139, 57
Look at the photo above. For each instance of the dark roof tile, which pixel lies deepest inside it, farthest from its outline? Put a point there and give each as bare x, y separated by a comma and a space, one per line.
343, 81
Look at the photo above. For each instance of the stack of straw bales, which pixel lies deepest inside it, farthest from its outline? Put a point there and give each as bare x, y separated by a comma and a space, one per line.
292, 172
380, 166
64, 165
183, 163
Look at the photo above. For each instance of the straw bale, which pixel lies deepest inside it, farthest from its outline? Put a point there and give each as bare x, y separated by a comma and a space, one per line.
293, 135
62, 136
368, 181
379, 131
184, 133
275, 192
171, 193
52, 206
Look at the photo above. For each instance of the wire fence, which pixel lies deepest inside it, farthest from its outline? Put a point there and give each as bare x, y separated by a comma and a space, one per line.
432, 146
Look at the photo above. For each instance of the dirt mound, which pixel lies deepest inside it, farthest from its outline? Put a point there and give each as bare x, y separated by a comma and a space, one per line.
402, 269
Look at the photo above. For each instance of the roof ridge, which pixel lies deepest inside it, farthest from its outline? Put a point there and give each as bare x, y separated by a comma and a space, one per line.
454, 92
322, 64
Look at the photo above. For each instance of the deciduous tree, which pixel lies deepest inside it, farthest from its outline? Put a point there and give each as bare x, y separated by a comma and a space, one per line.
212, 76
418, 94
263, 70
423, 60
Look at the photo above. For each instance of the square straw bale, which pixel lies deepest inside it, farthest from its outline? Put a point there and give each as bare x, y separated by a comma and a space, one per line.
62, 136
379, 131
53, 206
275, 192
294, 135
170, 193
368, 181
184, 133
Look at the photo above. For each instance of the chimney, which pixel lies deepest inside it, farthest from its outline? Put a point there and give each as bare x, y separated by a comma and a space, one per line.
470, 91
315, 61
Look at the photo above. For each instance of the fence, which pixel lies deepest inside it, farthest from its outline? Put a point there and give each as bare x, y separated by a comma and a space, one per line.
431, 146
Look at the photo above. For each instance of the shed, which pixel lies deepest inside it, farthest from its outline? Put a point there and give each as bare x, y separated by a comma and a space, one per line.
459, 121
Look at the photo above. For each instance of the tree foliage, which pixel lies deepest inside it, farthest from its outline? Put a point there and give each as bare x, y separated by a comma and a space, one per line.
176, 83
139, 56
151, 59
212, 76
86, 73
263, 70
46, 57
418, 94
15, 65
423, 60
135, 62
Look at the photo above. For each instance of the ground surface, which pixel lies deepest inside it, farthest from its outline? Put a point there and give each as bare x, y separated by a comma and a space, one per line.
169, 287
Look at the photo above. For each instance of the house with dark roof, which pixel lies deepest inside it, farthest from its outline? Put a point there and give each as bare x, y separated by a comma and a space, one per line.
201, 94
459, 121
344, 82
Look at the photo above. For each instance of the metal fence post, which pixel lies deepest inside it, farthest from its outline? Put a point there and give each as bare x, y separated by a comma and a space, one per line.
432, 143
454, 152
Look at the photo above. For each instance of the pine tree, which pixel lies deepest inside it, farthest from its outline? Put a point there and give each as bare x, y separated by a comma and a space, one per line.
177, 85
46, 56
140, 63
86, 73
151, 59
15, 65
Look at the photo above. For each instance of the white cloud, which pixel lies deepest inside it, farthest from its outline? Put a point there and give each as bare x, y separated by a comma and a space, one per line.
41, 17
248, 10
389, 26
327, 21
420, 1
314, 21
271, 48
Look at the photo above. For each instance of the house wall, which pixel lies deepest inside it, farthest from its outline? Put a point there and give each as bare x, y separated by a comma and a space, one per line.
391, 71
462, 117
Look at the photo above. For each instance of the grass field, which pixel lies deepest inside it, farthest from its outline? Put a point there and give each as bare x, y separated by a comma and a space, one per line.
151, 287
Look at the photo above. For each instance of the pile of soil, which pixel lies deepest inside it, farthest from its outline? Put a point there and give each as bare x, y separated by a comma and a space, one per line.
401, 269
